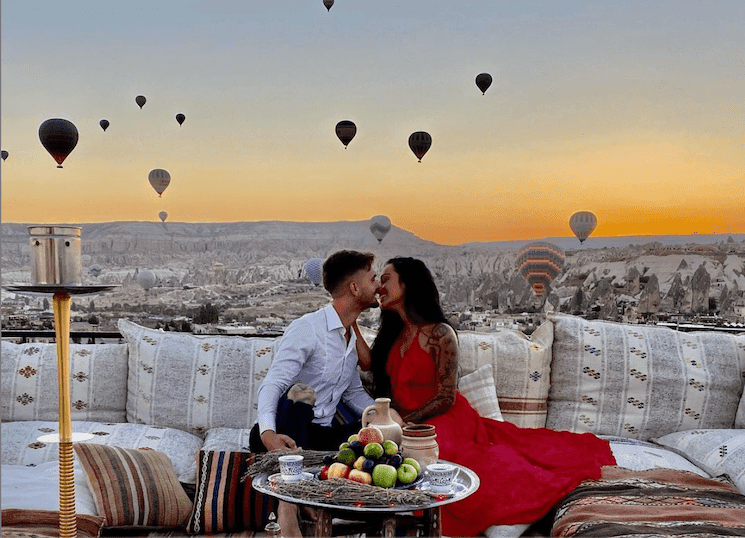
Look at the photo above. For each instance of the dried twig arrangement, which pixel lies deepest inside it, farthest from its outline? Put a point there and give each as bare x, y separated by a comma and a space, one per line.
268, 463
343, 492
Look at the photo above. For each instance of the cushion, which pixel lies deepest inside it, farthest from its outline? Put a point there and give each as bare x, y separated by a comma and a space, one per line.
642, 381
740, 417
194, 383
478, 388
37, 487
21, 446
521, 367
716, 451
227, 439
641, 455
223, 502
30, 386
42, 523
134, 487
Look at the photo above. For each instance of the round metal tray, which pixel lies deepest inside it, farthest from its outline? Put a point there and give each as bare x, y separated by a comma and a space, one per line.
50, 289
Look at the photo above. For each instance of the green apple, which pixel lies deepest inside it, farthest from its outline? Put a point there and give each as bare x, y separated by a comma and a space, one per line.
384, 476
407, 473
343, 445
414, 463
390, 447
346, 456
352, 437
373, 450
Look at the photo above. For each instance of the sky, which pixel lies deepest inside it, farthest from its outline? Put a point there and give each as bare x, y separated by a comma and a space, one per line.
633, 110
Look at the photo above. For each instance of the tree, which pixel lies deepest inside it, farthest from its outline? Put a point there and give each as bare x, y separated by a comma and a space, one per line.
206, 314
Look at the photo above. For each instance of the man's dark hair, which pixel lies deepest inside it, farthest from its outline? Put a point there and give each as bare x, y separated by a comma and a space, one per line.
343, 264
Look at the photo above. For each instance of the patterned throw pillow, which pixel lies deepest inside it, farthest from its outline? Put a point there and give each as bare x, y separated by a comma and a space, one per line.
521, 366
716, 451
30, 385
642, 381
227, 439
194, 383
134, 487
40, 523
223, 502
21, 446
478, 388
740, 418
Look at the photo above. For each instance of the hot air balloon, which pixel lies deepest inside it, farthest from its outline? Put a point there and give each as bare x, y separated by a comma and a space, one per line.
95, 270
314, 270
104, 124
328, 4
380, 225
5, 154
483, 81
162, 216
582, 224
59, 137
159, 179
539, 263
140, 100
180, 118
146, 279
420, 142
346, 130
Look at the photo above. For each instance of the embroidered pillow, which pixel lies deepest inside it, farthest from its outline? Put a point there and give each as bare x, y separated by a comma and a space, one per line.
194, 383
223, 501
134, 487
478, 388
98, 388
521, 367
642, 381
716, 451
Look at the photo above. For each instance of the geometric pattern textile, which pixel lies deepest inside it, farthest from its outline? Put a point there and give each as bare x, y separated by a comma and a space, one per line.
521, 367
134, 487
21, 446
718, 452
642, 381
98, 382
223, 501
478, 388
194, 383
45, 523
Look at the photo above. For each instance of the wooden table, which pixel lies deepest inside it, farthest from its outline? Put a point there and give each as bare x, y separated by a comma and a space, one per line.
386, 520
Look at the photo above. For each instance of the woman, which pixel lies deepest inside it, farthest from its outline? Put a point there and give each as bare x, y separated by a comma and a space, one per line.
523, 472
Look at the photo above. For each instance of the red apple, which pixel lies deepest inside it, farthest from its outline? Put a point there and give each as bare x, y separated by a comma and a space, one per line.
360, 476
323, 474
338, 470
370, 434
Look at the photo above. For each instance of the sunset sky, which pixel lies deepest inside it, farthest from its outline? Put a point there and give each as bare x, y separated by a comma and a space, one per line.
633, 110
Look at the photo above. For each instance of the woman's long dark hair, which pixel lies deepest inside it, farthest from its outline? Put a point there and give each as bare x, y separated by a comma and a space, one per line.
422, 306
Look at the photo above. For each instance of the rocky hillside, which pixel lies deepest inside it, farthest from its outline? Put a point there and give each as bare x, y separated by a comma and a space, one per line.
612, 276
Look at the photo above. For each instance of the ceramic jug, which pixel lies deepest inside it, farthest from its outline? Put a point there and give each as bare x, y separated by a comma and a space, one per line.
379, 415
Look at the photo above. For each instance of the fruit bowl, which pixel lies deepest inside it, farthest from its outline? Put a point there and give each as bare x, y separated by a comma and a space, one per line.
415, 483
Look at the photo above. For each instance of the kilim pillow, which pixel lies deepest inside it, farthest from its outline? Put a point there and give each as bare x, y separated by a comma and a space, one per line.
42, 523
223, 502
98, 387
642, 381
716, 451
134, 487
192, 382
521, 367
478, 388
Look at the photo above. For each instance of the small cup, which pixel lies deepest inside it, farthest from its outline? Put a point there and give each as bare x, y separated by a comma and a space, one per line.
291, 467
441, 476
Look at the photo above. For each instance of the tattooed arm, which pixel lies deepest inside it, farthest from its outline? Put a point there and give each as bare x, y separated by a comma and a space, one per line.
443, 346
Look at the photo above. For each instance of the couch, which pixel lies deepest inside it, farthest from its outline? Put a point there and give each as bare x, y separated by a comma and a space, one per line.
172, 412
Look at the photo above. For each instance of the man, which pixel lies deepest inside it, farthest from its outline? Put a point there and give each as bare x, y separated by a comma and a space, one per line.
315, 367
318, 352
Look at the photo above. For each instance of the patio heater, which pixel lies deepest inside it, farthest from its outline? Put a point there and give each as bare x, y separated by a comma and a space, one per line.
56, 270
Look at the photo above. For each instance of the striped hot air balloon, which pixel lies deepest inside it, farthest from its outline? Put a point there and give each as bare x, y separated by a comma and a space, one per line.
540, 263
380, 225
159, 180
314, 270
582, 224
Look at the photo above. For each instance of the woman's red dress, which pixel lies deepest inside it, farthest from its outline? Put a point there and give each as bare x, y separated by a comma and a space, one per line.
523, 471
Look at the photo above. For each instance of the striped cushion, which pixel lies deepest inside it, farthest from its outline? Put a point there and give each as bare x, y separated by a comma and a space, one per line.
134, 487
478, 388
223, 501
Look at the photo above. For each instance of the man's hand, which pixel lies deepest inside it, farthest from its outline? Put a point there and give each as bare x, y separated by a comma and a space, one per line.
277, 441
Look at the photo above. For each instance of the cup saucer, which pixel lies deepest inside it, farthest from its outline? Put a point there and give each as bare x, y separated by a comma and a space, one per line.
276, 477
454, 488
